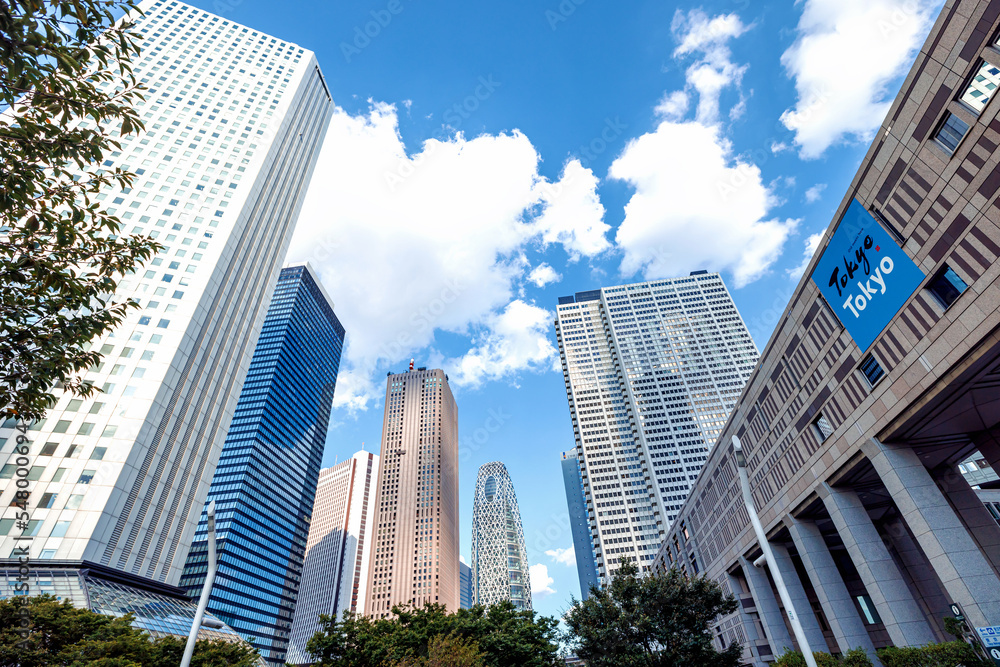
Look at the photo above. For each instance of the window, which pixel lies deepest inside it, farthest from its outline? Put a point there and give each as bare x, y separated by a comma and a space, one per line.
60, 473
48, 449
951, 132
946, 286
7, 471
86, 476
48, 553
47, 501
980, 89
73, 502
5, 526
822, 427
871, 369
35, 473
98, 453
73, 451
59, 530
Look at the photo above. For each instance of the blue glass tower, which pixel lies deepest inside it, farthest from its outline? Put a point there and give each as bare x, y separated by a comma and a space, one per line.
586, 568
465, 586
265, 483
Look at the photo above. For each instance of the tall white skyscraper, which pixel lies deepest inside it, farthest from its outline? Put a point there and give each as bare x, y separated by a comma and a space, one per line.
499, 558
652, 370
234, 122
335, 570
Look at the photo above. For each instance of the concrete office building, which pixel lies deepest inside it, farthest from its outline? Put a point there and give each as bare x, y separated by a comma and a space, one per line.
274, 448
335, 571
499, 557
415, 554
875, 387
651, 371
234, 122
583, 551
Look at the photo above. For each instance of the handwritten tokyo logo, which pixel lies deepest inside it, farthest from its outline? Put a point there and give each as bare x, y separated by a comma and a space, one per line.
858, 302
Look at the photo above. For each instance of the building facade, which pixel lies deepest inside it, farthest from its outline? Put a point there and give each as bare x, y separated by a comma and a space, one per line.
234, 120
335, 572
274, 448
874, 388
583, 550
651, 371
465, 585
414, 557
499, 558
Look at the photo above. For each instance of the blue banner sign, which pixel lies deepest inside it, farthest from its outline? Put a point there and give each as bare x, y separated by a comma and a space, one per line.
865, 276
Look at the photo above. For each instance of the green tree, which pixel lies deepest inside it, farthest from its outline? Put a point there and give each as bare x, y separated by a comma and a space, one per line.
450, 651
59, 634
68, 88
504, 636
651, 621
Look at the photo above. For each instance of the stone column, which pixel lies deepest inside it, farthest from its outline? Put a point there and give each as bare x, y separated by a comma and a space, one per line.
838, 605
749, 627
901, 614
771, 615
799, 599
960, 565
970, 508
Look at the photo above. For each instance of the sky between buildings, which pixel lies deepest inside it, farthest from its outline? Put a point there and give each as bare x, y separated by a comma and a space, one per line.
486, 158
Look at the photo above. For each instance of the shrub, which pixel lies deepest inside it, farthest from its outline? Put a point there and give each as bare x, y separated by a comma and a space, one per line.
856, 658
792, 658
947, 654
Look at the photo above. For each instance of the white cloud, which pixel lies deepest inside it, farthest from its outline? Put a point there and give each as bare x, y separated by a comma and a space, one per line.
673, 105
541, 582
564, 556
573, 214
707, 211
812, 244
462, 559
714, 69
846, 54
515, 339
779, 147
412, 244
543, 274
814, 193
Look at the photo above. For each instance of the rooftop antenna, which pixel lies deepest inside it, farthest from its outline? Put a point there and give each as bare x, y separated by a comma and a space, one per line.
411, 364
362, 446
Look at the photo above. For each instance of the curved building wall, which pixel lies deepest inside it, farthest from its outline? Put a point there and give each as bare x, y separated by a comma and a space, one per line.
499, 559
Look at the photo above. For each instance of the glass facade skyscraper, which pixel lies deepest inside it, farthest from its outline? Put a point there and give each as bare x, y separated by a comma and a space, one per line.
234, 121
499, 558
582, 548
265, 483
652, 371
465, 584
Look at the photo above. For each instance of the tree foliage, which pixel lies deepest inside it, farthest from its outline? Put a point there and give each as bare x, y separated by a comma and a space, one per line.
504, 636
450, 651
68, 91
60, 634
651, 621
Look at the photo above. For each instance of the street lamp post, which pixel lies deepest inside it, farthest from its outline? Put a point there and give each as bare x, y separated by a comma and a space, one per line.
205, 591
779, 582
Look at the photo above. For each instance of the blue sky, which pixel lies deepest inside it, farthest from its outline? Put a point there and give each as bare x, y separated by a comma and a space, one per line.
486, 158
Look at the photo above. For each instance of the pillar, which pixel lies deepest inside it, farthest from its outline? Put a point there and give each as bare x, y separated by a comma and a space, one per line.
973, 513
767, 606
964, 571
749, 627
901, 614
841, 613
799, 599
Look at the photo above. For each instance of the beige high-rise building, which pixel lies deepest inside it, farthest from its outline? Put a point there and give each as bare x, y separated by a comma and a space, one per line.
335, 569
414, 556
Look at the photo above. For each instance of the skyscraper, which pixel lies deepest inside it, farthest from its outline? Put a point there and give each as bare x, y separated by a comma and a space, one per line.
465, 584
234, 123
586, 570
274, 448
499, 559
335, 573
415, 556
652, 370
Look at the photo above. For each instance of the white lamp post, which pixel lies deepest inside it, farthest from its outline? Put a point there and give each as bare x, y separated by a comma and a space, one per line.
205, 591
800, 635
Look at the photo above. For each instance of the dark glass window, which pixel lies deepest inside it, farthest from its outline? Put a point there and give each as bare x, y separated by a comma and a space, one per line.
823, 427
951, 132
946, 286
871, 369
